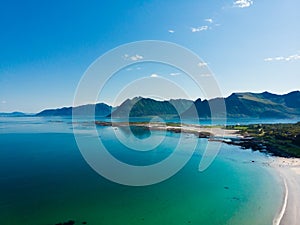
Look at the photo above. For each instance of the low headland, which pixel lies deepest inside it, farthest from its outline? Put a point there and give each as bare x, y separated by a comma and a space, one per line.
198, 130
276, 139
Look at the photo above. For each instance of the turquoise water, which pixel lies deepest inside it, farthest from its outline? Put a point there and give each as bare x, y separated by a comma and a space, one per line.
44, 180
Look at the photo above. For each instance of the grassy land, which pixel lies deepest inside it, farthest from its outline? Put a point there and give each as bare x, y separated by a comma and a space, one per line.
280, 139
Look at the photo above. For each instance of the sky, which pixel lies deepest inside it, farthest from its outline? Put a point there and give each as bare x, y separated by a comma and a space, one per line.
46, 46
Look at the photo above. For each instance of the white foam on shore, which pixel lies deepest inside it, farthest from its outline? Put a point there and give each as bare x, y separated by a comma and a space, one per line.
278, 218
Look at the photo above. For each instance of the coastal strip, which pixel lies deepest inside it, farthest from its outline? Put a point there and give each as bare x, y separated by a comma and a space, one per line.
289, 170
277, 220
214, 133
276, 139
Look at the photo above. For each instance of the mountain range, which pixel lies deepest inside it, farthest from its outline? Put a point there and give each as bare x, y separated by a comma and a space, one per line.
16, 114
254, 105
238, 105
101, 110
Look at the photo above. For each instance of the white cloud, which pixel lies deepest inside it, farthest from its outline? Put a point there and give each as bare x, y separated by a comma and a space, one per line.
3, 102
202, 64
171, 31
133, 57
279, 58
175, 74
209, 20
154, 75
293, 57
198, 29
242, 3
268, 59
283, 59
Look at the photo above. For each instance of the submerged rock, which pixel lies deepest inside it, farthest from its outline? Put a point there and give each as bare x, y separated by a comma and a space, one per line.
70, 222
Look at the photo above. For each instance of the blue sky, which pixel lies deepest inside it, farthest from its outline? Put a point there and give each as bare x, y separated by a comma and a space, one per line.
46, 46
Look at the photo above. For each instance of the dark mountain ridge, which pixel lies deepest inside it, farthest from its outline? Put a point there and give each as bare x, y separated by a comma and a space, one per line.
139, 107
238, 105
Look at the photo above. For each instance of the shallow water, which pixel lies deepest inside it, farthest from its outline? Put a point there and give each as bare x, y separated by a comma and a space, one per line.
45, 180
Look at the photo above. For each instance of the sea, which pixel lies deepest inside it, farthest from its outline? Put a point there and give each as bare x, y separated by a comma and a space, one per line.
46, 180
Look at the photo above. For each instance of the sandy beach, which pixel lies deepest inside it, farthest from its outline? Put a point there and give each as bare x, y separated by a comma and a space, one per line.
214, 131
289, 170
184, 128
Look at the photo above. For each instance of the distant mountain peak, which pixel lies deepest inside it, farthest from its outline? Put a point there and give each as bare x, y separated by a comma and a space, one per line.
100, 109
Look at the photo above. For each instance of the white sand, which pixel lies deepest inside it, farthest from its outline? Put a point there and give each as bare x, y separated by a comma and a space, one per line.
215, 131
289, 170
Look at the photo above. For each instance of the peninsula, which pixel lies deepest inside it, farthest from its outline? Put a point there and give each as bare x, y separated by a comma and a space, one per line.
276, 139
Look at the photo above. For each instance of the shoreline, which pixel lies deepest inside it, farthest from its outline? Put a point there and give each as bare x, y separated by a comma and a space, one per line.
275, 139
277, 220
288, 169
200, 131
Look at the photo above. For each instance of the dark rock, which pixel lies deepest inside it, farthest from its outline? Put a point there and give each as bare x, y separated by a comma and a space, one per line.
175, 130
204, 134
103, 123
70, 222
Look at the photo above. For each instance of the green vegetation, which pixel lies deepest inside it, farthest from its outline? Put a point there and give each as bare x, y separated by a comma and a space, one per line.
279, 139
171, 124
143, 107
